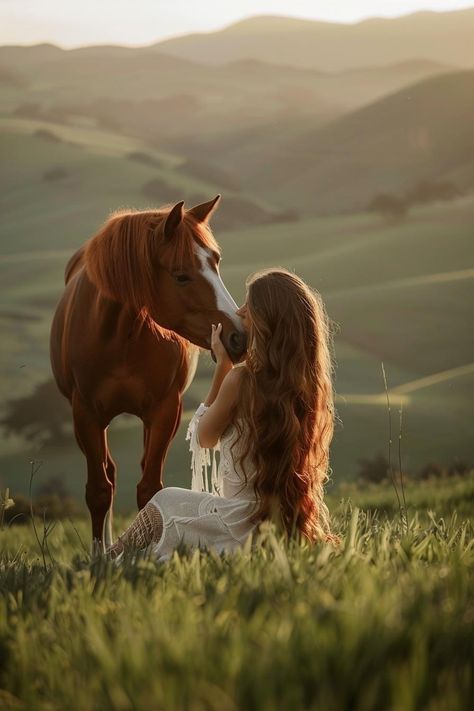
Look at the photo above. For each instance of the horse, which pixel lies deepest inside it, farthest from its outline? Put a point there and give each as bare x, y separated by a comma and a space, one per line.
139, 300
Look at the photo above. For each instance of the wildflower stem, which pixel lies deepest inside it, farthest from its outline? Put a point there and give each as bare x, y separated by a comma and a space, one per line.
35, 467
400, 467
392, 478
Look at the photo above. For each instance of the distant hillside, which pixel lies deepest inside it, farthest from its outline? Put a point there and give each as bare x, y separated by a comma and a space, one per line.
422, 132
158, 97
347, 89
442, 37
51, 75
24, 56
152, 95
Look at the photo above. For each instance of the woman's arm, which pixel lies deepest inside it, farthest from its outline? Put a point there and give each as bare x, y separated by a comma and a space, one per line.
218, 417
222, 396
222, 369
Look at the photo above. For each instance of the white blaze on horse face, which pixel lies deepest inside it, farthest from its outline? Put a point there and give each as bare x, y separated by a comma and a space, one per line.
224, 300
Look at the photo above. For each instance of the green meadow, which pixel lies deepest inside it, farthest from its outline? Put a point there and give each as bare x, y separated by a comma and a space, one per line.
399, 293
300, 143
384, 621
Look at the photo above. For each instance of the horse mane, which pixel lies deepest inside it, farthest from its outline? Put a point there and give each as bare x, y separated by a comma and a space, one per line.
121, 258
73, 265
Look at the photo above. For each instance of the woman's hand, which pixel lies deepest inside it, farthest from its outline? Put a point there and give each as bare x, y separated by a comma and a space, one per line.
223, 362
217, 347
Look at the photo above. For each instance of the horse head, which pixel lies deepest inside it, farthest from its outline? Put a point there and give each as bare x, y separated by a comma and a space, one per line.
165, 264
190, 282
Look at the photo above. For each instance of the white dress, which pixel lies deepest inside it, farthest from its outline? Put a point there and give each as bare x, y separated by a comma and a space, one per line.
215, 515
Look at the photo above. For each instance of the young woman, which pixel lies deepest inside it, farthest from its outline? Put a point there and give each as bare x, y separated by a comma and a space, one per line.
272, 418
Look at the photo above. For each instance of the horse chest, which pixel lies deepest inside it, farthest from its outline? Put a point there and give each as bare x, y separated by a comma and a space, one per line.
125, 392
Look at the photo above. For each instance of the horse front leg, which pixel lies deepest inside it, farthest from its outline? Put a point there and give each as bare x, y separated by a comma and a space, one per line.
111, 469
161, 424
91, 438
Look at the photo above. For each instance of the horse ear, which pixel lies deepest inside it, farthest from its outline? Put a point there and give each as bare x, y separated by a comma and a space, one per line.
174, 219
203, 212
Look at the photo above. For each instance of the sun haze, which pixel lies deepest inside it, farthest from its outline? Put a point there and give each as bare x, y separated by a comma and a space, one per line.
147, 21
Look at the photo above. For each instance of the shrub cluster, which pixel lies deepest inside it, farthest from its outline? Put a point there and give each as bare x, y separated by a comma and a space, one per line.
393, 206
376, 470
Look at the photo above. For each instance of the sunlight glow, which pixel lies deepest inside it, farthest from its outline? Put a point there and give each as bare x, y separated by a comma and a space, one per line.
70, 23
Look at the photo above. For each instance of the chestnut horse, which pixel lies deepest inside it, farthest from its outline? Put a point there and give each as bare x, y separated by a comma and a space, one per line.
138, 295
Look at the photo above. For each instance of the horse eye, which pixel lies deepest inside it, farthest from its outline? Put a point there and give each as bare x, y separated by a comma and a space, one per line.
182, 278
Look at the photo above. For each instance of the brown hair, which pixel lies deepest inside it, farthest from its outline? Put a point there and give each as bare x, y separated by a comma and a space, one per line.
285, 413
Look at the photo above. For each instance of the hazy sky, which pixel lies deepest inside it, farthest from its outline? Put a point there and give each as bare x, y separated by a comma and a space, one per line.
72, 23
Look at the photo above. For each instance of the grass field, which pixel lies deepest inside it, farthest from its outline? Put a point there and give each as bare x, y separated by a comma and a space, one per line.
399, 293
384, 622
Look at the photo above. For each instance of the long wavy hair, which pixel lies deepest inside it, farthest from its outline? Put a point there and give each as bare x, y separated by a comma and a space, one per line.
285, 413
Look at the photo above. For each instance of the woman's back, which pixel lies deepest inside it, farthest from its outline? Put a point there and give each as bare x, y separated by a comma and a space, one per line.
231, 475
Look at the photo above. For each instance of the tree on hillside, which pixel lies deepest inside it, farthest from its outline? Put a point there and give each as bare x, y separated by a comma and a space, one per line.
56, 173
160, 192
45, 506
388, 206
432, 470
43, 416
427, 191
373, 470
458, 467
54, 486
394, 207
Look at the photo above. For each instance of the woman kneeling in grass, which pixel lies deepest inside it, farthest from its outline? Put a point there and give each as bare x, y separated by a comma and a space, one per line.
272, 417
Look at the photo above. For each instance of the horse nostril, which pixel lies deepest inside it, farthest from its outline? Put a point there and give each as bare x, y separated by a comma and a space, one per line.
237, 342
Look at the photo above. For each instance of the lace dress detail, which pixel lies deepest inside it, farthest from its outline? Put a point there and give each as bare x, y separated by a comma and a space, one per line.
201, 458
216, 511
147, 528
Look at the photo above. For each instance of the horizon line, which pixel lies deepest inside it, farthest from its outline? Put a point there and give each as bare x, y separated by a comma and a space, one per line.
154, 43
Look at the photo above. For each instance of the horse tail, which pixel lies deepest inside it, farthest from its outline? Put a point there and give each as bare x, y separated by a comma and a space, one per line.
74, 264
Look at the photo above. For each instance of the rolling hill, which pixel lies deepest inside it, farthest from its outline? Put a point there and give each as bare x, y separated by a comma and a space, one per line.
441, 37
297, 152
240, 121
398, 293
52, 75
423, 132
153, 95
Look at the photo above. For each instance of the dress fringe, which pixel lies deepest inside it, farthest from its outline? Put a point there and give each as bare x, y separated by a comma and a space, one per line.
201, 458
